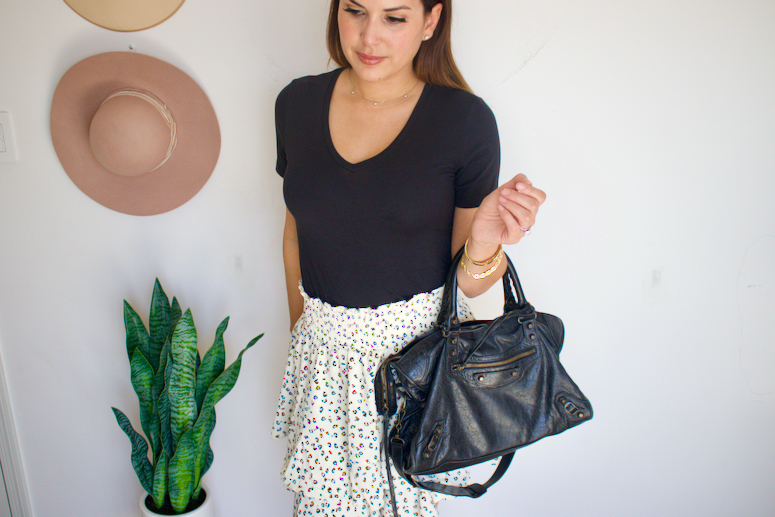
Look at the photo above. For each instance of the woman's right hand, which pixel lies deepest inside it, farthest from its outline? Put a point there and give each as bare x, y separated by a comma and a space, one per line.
507, 213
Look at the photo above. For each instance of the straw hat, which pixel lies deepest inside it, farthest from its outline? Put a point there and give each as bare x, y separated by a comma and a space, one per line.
125, 15
134, 133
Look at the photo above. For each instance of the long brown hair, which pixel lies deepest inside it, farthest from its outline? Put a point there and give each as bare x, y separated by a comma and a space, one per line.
433, 63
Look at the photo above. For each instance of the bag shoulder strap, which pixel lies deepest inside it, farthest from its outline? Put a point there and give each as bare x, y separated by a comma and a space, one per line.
473, 490
395, 451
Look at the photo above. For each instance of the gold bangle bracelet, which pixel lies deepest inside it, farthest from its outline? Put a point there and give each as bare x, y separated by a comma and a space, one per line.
486, 262
485, 274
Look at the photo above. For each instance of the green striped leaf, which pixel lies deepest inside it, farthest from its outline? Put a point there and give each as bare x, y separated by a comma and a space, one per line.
160, 377
223, 384
182, 385
160, 481
142, 382
163, 409
162, 405
181, 473
175, 314
206, 422
209, 456
136, 335
158, 324
140, 462
212, 364
208, 463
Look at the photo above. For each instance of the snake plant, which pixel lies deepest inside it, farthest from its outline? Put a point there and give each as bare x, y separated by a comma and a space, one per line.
177, 392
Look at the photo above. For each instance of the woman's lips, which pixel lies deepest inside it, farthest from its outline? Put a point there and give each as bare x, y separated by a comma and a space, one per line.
367, 59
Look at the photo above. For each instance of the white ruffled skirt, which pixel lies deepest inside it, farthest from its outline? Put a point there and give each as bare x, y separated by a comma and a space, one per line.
335, 463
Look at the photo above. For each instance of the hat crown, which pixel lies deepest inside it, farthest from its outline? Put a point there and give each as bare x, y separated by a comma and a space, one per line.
130, 135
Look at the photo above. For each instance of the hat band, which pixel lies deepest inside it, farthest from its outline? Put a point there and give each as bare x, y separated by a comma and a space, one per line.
162, 109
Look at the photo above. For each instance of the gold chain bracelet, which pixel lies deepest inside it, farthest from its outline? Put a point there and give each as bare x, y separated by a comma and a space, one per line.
479, 276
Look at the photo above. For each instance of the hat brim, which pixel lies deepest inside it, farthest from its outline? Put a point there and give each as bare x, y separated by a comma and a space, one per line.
125, 15
77, 98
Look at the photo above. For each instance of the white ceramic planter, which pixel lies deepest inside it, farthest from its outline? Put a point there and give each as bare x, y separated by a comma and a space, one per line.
206, 510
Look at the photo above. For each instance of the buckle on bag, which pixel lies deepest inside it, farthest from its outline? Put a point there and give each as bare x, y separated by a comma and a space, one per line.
435, 439
570, 408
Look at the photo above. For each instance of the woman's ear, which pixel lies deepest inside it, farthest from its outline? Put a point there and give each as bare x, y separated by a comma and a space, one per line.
432, 19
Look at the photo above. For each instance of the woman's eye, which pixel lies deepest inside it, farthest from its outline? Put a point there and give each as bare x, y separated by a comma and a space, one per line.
396, 19
354, 12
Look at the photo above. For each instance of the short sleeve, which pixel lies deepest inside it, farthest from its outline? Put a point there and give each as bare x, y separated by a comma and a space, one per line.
279, 122
478, 176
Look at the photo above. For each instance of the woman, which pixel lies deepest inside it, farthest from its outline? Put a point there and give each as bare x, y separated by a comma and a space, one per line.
390, 166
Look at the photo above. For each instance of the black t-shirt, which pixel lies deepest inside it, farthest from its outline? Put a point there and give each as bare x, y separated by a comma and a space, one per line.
380, 231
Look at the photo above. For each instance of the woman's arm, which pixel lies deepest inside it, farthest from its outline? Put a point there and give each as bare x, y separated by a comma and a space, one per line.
499, 220
292, 268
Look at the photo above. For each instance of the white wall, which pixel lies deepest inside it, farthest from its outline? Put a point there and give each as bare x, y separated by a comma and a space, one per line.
651, 125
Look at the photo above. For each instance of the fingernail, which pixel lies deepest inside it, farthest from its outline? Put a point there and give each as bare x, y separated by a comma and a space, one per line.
521, 186
506, 191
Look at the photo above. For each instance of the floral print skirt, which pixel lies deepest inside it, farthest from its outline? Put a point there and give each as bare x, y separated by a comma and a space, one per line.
335, 463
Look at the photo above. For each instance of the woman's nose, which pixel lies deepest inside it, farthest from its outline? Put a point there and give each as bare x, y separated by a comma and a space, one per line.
371, 31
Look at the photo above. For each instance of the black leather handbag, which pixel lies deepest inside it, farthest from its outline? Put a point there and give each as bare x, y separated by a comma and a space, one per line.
466, 392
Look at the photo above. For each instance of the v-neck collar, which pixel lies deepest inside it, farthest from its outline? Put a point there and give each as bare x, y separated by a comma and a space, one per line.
353, 167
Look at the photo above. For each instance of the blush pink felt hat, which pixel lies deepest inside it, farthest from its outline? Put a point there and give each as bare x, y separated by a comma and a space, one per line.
134, 133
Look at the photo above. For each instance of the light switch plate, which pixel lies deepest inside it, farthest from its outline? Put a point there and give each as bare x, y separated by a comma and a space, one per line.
7, 143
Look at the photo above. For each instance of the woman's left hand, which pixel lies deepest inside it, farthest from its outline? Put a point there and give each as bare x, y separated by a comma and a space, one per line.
508, 213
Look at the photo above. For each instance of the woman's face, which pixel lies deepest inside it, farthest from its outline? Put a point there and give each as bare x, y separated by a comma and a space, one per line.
381, 37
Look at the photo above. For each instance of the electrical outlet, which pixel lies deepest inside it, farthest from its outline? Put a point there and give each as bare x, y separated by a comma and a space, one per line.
7, 144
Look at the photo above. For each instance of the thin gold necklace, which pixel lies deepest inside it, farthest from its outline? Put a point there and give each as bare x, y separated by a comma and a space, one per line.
376, 103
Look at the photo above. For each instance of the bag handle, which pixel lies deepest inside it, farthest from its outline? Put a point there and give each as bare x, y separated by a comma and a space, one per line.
448, 318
